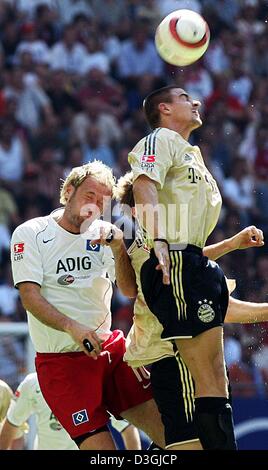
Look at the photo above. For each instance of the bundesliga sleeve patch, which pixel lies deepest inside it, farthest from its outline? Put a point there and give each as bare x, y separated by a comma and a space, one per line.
18, 251
148, 158
148, 162
18, 248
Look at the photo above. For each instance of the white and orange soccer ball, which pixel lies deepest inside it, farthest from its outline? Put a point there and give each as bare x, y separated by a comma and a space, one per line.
182, 37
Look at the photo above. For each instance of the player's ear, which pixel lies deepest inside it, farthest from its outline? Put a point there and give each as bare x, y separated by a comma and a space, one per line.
164, 108
69, 191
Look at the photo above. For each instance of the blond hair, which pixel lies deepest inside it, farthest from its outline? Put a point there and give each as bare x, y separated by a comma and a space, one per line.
96, 169
124, 190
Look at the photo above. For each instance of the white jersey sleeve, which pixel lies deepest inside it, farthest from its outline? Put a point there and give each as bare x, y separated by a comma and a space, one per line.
21, 406
25, 256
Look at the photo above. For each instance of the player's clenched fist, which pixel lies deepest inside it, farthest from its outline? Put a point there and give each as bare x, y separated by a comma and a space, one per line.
87, 339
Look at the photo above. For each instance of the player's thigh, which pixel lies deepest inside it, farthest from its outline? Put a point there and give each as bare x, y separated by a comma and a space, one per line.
205, 347
204, 356
129, 394
100, 441
147, 417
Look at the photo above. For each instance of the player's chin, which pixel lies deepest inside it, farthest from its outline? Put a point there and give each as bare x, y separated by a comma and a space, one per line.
84, 220
196, 122
87, 216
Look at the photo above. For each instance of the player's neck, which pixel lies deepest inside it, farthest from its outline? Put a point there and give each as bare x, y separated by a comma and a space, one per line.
174, 126
64, 223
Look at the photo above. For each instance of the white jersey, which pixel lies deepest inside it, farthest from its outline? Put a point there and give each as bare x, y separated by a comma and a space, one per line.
75, 277
29, 400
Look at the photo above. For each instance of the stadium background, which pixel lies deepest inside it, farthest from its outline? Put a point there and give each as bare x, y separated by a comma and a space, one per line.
73, 74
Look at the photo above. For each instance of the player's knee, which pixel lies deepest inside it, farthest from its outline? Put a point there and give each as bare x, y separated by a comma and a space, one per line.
214, 422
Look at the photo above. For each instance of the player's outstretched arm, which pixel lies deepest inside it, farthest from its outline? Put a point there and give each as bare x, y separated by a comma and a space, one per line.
246, 312
38, 306
249, 237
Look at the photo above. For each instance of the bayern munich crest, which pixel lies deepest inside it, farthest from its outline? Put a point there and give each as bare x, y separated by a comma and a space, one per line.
205, 312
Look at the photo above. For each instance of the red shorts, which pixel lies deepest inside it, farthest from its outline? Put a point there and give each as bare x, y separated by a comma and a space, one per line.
80, 390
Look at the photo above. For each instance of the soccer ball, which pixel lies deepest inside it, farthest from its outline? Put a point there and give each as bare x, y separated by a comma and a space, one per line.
182, 37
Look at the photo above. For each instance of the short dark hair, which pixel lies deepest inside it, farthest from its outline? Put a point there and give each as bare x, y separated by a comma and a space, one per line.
151, 102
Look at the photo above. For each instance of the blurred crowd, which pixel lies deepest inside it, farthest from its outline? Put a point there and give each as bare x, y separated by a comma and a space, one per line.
73, 75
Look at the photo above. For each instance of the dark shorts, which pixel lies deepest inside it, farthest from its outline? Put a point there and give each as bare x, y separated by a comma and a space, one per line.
173, 391
81, 391
196, 299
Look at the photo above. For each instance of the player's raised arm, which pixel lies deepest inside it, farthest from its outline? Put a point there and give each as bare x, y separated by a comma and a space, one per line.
124, 273
246, 312
249, 237
145, 195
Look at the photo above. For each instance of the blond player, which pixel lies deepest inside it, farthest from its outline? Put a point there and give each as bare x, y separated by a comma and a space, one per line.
65, 283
